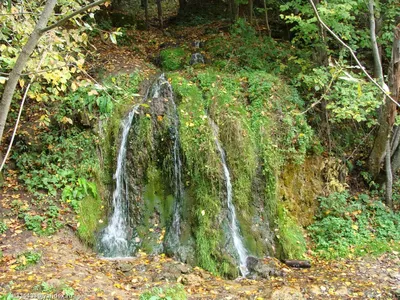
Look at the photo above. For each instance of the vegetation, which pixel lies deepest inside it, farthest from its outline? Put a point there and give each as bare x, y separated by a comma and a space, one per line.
26, 259
279, 99
165, 293
348, 226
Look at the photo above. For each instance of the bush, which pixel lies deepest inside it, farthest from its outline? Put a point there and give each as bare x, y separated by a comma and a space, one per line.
358, 225
173, 58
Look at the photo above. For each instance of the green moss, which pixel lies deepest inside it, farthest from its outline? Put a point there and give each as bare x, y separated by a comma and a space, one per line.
290, 235
203, 173
173, 58
90, 212
157, 211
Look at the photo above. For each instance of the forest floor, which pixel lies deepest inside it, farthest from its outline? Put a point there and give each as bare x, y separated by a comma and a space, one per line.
65, 263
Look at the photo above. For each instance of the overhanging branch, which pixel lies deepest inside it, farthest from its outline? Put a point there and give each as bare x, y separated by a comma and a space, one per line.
75, 13
352, 54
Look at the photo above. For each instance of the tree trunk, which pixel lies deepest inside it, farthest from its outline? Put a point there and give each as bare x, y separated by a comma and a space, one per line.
146, 13
21, 62
389, 177
234, 9
388, 111
266, 17
394, 80
160, 15
251, 8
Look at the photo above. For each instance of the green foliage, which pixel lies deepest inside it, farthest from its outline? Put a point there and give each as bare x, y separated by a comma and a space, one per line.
46, 288
64, 58
173, 58
90, 213
203, 170
3, 227
26, 259
9, 296
176, 292
42, 225
57, 160
244, 49
347, 226
68, 292
290, 235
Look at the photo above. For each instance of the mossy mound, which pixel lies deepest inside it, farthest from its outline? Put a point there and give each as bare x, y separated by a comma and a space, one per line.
172, 59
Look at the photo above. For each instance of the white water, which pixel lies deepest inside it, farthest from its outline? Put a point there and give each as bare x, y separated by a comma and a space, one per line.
237, 239
197, 58
115, 239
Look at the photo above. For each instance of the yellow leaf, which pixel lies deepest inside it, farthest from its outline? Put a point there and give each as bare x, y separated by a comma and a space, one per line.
21, 82
93, 92
354, 226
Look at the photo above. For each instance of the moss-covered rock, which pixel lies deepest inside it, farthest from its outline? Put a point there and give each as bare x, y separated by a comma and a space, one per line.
174, 58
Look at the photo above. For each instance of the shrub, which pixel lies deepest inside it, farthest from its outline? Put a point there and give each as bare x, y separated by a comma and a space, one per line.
347, 225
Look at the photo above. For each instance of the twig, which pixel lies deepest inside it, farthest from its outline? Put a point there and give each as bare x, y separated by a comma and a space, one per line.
19, 117
322, 96
75, 13
42, 71
352, 54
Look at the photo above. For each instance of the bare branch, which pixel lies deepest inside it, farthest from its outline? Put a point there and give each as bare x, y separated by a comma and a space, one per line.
352, 53
19, 116
75, 13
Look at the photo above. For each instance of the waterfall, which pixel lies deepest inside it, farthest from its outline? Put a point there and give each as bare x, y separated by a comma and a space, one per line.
115, 240
163, 89
197, 58
237, 239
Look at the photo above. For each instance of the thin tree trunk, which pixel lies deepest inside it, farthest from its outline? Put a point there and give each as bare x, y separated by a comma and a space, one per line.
146, 13
160, 15
21, 62
389, 177
388, 111
251, 7
266, 17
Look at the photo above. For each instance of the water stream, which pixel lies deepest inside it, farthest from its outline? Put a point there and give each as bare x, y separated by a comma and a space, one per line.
237, 239
115, 239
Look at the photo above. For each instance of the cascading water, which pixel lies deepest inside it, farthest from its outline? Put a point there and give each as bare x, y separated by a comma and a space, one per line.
163, 89
115, 239
197, 58
237, 239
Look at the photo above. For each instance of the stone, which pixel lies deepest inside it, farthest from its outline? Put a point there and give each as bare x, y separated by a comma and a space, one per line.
54, 282
315, 290
263, 268
183, 268
125, 267
287, 293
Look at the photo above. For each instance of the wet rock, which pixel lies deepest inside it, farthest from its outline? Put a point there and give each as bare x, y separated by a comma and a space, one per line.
158, 106
196, 58
263, 268
287, 293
